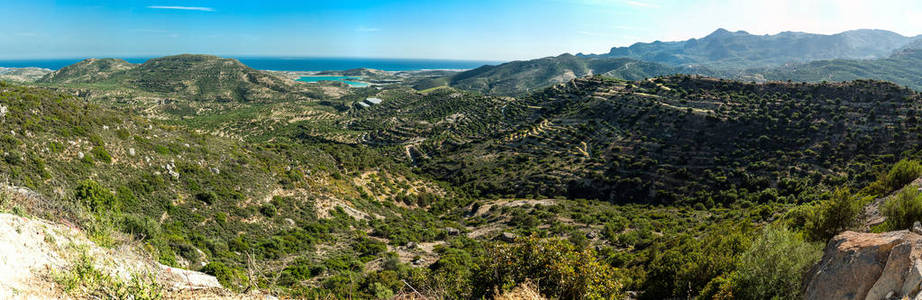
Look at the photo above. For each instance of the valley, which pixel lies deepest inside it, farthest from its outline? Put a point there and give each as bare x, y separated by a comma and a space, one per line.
442, 150
315, 189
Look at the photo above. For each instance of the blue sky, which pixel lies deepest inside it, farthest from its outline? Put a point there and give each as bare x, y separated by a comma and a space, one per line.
443, 29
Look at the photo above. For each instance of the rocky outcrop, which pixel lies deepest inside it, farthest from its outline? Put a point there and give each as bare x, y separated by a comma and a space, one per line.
34, 251
868, 266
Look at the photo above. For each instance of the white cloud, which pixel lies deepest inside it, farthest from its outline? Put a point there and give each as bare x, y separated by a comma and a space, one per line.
197, 8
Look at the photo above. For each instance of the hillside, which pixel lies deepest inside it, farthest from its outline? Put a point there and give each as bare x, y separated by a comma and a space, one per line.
22, 74
522, 77
190, 77
89, 70
241, 212
298, 219
904, 68
683, 139
723, 49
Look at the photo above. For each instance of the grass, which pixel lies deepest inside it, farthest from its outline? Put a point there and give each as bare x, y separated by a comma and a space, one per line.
83, 279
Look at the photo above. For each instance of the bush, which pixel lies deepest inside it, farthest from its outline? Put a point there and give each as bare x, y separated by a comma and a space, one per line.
83, 279
97, 198
101, 154
208, 198
683, 266
301, 269
228, 277
901, 174
268, 210
903, 209
368, 249
772, 268
143, 228
834, 215
452, 273
564, 271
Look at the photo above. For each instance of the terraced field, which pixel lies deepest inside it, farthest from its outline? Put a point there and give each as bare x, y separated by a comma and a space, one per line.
674, 139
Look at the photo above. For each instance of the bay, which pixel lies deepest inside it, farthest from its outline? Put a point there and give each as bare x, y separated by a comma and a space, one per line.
292, 63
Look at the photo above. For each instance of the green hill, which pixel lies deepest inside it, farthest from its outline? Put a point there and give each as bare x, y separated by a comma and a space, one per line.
89, 71
209, 203
189, 77
684, 139
521, 77
903, 68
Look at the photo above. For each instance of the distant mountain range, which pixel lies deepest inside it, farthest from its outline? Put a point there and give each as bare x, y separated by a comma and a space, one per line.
797, 56
903, 67
723, 49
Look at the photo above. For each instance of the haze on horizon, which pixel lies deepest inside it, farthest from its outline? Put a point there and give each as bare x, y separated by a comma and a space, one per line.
451, 29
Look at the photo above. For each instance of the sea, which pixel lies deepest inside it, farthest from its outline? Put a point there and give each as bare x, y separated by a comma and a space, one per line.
297, 64
350, 80
293, 63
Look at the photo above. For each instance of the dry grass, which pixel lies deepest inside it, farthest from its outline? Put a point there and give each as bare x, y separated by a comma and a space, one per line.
528, 290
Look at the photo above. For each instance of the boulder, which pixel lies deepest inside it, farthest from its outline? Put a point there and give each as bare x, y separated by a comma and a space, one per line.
178, 279
868, 266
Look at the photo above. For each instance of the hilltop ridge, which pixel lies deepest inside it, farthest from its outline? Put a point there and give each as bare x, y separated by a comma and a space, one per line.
724, 49
187, 76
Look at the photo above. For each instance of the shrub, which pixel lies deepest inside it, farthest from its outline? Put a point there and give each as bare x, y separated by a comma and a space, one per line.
301, 269
207, 197
903, 209
564, 271
452, 273
901, 174
97, 198
221, 218
141, 227
684, 266
227, 276
82, 279
368, 248
101, 154
773, 266
832, 216
268, 210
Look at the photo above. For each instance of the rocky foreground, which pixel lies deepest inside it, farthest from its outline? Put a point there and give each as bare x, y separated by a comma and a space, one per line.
37, 257
868, 266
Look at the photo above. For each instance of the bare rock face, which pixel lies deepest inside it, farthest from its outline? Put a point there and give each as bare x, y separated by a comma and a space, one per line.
178, 279
868, 266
